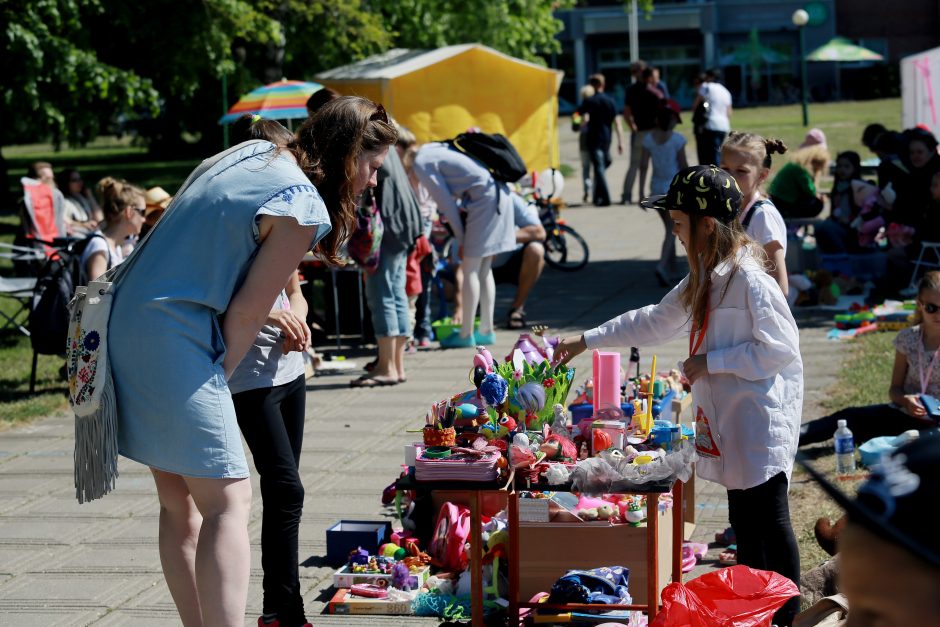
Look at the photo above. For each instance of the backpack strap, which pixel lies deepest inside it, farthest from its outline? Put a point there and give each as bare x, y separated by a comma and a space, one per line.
750, 213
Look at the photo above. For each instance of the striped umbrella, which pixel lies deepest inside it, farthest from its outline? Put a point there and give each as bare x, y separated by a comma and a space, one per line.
283, 100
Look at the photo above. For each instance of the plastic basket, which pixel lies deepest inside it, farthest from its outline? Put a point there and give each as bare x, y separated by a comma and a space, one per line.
445, 326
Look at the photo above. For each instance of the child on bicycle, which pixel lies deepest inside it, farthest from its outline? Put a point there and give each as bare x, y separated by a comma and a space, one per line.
744, 365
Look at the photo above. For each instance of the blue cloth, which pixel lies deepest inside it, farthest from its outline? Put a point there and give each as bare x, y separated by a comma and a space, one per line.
385, 291
175, 411
523, 214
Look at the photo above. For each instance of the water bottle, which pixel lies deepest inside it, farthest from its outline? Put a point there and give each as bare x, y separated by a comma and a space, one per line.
845, 449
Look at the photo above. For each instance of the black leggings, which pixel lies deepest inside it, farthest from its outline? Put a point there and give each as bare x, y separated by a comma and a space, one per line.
272, 421
760, 517
864, 422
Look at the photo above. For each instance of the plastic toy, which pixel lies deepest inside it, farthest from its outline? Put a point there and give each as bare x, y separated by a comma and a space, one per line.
402, 577
506, 425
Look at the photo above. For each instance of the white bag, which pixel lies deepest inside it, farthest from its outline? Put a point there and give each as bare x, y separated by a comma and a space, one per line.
91, 391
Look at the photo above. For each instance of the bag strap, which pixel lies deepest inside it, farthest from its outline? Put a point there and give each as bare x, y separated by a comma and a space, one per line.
115, 274
750, 212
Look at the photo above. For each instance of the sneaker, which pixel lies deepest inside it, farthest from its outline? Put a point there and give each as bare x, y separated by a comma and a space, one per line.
455, 341
424, 342
271, 620
484, 339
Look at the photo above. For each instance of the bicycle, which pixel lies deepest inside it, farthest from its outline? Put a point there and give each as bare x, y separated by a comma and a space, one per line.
565, 249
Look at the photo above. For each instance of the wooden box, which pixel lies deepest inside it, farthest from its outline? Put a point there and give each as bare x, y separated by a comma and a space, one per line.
548, 550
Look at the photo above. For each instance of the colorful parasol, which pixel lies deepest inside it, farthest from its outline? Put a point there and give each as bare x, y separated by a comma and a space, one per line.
283, 100
841, 49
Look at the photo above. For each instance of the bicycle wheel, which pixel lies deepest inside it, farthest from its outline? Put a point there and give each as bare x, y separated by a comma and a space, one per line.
565, 249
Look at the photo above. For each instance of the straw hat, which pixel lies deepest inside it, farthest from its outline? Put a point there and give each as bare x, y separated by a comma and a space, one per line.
157, 198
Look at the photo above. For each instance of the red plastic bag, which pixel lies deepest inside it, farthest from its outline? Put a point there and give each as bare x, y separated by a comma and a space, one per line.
731, 597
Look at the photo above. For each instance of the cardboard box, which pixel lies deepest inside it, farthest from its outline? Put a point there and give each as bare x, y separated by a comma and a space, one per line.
534, 510
345, 578
345, 603
348, 535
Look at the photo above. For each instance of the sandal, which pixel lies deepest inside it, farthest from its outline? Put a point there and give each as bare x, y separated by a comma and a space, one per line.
516, 319
726, 537
370, 381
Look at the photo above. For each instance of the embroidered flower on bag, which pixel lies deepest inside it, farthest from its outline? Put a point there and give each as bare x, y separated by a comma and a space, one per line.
92, 339
83, 375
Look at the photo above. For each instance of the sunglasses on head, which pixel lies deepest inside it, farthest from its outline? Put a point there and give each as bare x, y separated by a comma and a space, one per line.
930, 307
379, 114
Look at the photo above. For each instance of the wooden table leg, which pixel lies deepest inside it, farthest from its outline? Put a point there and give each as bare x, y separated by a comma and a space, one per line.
513, 559
476, 566
678, 529
652, 554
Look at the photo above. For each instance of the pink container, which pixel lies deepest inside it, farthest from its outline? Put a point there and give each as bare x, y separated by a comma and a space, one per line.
606, 380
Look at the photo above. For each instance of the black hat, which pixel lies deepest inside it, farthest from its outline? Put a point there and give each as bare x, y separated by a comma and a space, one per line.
894, 503
703, 190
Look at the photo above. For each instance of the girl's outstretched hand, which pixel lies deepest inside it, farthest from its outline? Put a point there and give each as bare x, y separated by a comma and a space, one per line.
569, 348
695, 367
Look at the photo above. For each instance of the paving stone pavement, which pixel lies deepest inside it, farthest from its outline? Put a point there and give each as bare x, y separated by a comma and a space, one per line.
67, 564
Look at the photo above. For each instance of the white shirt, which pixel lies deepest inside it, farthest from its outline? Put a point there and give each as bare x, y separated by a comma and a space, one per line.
523, 214
719, 101
766, 225
748, 408
99, 244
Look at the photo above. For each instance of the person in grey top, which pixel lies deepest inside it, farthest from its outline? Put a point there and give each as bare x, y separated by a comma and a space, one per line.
479, 210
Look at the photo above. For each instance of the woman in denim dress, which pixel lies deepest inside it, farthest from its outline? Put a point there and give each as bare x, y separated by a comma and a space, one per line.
189, 309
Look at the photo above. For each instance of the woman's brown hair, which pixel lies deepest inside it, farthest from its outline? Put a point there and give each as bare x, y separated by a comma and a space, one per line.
722, 244
117, 195
327, 148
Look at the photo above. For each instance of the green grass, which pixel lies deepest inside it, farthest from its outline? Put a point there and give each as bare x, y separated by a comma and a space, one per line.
842, 122
862, 380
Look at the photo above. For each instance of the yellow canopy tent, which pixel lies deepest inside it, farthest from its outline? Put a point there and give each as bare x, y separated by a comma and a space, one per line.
441, 93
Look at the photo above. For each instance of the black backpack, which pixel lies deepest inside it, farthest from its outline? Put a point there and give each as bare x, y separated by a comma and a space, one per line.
55, 286
494, 152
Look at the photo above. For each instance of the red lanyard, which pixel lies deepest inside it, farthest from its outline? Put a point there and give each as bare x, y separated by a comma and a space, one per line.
925, 377
698, 336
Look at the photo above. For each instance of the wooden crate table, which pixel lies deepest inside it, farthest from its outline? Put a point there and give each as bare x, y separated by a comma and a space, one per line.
483, 499
540, 553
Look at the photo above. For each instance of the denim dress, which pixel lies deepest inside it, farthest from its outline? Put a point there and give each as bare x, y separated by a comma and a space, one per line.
175, 410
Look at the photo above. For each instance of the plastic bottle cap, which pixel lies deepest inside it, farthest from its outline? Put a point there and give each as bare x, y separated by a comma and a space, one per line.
840, 424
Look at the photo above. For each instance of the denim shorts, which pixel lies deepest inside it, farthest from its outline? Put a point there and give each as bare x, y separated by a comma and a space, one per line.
385, 291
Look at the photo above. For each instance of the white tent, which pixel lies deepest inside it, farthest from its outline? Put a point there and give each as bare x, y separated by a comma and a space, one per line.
920, 90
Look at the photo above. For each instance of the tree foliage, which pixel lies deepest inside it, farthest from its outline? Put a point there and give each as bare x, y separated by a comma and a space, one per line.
73, 66
53, 82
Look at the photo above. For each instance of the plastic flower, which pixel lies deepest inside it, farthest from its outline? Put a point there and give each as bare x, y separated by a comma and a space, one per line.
92, 340
517, 375
548, 382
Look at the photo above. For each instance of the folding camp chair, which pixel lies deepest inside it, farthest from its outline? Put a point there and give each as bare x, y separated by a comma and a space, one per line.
928, 259
21, 292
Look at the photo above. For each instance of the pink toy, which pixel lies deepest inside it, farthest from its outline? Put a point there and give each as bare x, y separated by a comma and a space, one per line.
484, 359
533, 350
606, 380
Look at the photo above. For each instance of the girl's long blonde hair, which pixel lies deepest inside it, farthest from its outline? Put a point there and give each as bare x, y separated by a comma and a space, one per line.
930, 281
722, 244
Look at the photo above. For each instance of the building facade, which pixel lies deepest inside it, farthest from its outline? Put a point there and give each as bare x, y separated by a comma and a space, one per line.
753, 42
